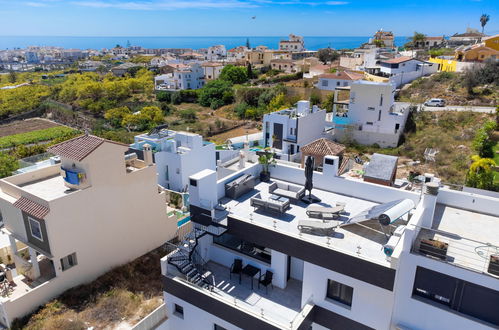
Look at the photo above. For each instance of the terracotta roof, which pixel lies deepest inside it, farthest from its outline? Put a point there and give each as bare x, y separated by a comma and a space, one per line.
434, 38
400, 59
79, 147
342, 75
323, 147
32, 208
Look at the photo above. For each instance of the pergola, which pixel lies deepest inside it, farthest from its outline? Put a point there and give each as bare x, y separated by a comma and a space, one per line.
320, 148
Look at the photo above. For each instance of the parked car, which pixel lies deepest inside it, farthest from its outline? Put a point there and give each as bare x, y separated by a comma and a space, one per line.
435, 103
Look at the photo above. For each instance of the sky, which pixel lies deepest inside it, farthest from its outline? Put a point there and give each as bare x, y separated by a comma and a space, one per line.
242, 17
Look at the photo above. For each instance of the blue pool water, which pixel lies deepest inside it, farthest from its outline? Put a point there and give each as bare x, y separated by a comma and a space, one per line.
184, 220
341, 120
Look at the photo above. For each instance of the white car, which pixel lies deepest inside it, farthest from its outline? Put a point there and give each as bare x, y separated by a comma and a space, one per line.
435, 103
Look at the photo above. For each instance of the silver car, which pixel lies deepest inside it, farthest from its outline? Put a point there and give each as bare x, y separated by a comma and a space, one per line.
435, 103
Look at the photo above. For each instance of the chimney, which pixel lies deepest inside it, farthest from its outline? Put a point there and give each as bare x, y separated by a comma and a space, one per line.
147, 154
429, 203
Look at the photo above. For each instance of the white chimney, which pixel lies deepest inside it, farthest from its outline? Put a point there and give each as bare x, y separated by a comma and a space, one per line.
429, 203
331, 165
147, 154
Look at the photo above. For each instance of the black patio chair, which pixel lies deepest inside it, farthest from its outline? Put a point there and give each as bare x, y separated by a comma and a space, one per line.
236, 268
266, 280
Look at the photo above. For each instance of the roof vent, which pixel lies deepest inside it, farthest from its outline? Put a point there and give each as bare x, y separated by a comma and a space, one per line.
431, 188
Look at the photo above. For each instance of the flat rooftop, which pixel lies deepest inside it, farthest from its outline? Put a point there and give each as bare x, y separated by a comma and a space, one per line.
49, 188
472, 236
364, 240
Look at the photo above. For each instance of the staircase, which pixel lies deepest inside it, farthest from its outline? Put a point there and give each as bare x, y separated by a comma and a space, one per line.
188, 261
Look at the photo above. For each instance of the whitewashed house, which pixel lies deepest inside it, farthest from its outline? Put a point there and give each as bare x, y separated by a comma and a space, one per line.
330, 81
404, 69
286, 131
212, 70
215, 53
191, 77
177, 156
293, 44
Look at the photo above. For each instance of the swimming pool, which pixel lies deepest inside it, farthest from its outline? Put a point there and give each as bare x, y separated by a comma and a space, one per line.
341, 120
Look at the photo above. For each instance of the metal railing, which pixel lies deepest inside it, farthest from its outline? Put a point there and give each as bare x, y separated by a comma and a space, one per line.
460, 251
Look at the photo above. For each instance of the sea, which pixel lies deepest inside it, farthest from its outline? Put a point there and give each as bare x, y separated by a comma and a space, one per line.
311, 43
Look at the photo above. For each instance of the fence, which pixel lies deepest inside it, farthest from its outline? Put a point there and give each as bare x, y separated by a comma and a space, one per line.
151, 321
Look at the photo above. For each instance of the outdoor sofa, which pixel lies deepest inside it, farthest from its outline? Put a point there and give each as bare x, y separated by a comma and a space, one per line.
269, 204
287, 190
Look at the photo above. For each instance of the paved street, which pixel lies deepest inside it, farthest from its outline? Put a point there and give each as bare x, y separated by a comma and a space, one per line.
453, 108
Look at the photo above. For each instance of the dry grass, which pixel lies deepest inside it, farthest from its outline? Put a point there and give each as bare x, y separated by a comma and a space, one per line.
449, 132
124, 294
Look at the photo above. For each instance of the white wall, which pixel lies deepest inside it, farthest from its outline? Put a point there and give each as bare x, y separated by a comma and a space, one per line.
371, 305
194, 318
468, 201
296, 269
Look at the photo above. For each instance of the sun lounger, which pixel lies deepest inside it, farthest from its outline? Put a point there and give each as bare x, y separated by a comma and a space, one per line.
322, 212
320, 227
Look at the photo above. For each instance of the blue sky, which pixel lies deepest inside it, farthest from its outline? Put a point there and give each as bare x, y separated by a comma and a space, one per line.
234, 17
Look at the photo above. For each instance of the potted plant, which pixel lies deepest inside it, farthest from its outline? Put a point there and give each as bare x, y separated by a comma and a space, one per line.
266, 159
434, 248
494, 264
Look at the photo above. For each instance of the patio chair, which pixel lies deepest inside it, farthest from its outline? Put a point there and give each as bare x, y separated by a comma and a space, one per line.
266, 280
236, 268
320, 227
322, 212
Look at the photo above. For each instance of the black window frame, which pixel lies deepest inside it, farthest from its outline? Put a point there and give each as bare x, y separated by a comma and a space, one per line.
193, 182
262, 257
344, 295
218, 327
178, 310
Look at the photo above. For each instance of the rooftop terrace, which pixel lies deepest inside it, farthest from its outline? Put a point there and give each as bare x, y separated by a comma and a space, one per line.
363, 240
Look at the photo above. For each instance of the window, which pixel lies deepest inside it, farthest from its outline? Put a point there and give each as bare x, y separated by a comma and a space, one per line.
324, 82
68, 261
339, 292
178, 311
35, 228
218, 327
370, 108
193, 182
381, 100
369, 123
338, 83
379, 115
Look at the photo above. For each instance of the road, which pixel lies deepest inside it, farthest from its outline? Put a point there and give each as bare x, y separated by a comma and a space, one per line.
452, 108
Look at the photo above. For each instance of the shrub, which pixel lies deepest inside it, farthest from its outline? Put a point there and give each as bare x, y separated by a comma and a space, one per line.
215, 94
240, 109
8, 164
188, 115
483, 142
163, 96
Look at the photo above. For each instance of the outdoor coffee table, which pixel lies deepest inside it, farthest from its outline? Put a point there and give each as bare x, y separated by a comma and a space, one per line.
251, 271
278, 198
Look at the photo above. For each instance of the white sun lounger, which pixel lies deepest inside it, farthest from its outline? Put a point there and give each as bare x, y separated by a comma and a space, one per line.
318, 211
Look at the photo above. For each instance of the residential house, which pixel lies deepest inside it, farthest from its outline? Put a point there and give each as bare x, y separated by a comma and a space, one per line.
177, 156
286, 131
95, 210
431, 42
254, 262
237, 54
492, 42
404, 69
286, 66
122, 69
294, 44
215, 53
386, 38
471, 36
191, 77
316, 70
475, 53
370, 115
330, 81
212, 70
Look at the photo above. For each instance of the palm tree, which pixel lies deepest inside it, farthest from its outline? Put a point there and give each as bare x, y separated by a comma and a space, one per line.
483, 21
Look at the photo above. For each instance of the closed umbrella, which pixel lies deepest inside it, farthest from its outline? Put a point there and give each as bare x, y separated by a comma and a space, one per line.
309, 185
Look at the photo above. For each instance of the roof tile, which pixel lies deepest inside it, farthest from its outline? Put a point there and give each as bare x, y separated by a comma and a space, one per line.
32, 208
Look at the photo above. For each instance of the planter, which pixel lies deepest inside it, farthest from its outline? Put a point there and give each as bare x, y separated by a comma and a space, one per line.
265, 176
434, 248
494, 264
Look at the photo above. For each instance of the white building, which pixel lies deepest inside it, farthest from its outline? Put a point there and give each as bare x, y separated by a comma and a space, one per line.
330, 81
289, 129
294, 44
377, 272
191, 77
212, 70
95, 210
405, 69
177, 155
370, 115
215, 53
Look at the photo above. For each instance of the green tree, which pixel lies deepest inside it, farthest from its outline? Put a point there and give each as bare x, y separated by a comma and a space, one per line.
116, 115
326, 55
277, 103
315, 99
249, 71
234, 74
480, 174
483, 143
379, 43
12, 76
484, 19
418, 40
147, 118
8, 164
216, 93
188, 115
